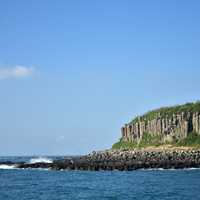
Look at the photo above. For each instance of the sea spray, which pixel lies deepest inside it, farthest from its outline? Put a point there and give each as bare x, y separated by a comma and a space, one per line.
7, 166
40, 160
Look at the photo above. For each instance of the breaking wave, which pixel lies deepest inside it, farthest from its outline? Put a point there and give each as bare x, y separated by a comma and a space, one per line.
40, 160
7, 166
170, 169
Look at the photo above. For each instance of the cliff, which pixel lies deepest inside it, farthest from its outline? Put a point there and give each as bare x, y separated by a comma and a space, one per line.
164, 125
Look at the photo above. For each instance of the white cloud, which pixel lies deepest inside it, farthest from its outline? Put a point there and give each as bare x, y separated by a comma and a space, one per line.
16, 72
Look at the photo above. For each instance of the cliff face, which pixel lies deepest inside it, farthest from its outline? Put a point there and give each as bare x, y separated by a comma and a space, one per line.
176, 125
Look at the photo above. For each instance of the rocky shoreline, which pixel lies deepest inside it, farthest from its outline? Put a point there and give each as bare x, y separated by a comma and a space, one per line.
124, 160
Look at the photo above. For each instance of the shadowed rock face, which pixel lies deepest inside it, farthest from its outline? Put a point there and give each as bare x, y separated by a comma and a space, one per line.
178, 125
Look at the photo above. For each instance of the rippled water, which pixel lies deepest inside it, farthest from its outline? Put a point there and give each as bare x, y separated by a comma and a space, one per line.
18, 184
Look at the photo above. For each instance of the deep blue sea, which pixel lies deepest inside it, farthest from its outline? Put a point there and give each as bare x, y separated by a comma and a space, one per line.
29, 184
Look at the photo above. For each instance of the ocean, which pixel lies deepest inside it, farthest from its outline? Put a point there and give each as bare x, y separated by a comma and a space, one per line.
40, 184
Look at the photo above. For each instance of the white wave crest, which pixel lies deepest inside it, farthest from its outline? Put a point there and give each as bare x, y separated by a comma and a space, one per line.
40, 160
7, 166
170, 169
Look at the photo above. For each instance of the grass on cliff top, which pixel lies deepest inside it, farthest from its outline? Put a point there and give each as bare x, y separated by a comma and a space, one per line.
168, 111
192, 140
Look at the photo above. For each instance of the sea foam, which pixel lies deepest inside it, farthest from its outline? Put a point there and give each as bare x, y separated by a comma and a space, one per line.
40, 160
7, 166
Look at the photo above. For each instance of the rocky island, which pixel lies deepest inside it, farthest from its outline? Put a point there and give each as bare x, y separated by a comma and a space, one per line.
164, 138
177, 126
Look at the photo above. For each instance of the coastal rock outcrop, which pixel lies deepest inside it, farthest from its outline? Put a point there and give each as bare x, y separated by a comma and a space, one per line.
125, 160
176, 122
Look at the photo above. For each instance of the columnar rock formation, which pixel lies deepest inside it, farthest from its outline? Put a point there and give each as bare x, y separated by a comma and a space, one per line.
177, 125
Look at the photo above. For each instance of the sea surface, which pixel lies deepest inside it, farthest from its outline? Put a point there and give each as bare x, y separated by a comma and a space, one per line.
38, 184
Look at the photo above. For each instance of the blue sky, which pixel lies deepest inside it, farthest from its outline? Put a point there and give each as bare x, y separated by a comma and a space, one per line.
73, 72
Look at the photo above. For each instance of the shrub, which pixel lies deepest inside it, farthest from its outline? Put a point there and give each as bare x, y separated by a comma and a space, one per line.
150, 139
193, 140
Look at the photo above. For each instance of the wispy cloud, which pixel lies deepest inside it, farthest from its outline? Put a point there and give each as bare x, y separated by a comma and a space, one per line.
16, 72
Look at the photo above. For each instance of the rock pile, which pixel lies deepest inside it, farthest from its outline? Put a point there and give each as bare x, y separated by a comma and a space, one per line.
125, 160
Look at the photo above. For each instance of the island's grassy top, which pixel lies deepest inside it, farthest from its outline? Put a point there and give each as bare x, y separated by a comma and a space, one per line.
168, 111
192, 140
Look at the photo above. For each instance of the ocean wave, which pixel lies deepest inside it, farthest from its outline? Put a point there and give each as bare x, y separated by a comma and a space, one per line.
7, 166
40, 160
170, 169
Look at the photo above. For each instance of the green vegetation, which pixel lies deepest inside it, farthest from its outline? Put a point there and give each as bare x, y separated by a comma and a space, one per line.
169, 111
150, 140
192, 140
147, 140
124, 145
